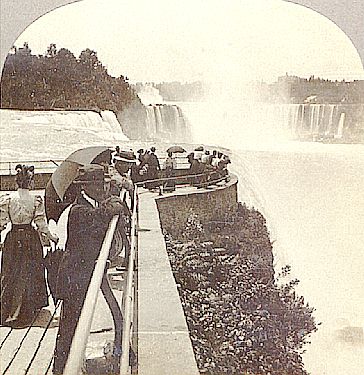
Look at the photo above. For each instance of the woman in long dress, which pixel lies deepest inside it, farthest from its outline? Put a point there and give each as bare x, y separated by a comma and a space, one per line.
169, 166
23, 285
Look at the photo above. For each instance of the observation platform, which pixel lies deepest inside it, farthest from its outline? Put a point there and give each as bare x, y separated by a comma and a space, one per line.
162, 336
164, 345
22, 342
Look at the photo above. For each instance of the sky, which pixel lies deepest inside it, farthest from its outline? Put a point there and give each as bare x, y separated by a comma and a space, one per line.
208, 40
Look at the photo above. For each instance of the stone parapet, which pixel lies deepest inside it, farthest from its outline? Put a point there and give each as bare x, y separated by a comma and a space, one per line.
209, 204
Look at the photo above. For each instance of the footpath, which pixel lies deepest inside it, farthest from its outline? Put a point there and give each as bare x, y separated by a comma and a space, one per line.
164, 345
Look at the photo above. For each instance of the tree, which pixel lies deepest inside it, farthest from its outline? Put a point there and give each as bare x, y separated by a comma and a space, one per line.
58, 79
51, 50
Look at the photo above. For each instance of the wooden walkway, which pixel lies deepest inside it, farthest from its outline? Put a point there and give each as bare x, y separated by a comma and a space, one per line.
101, 334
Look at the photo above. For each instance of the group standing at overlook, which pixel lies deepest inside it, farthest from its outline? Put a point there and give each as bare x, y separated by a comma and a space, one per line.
96, 196
206, 168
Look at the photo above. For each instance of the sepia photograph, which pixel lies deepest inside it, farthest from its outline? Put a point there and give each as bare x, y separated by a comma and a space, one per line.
182, 187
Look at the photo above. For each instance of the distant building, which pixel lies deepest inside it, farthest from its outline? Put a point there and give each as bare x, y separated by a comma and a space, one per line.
316, 90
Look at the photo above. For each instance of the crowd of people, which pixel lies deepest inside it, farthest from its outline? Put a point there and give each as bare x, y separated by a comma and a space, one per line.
210, 168
206, 168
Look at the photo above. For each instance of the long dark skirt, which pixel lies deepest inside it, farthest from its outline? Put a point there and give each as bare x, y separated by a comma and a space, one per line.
152, 174
23, 285
169, 185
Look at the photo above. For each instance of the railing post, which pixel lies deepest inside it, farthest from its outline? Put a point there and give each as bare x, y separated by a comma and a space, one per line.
128, 293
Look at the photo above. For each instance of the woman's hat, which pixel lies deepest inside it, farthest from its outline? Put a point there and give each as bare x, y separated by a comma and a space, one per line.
24, 175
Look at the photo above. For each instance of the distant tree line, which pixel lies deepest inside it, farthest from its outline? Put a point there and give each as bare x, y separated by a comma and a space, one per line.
60, 80
294, 89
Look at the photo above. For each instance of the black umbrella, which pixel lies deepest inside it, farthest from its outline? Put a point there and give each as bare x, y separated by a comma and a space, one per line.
176, 149
60, 192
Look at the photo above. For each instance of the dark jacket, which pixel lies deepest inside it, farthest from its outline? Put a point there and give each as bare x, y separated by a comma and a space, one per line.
85, 233
86, 230
153, 161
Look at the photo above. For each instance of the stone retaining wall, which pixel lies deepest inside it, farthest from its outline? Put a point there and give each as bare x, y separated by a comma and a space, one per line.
211, 204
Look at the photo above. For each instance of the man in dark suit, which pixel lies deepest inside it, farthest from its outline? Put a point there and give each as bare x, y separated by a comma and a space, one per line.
88, 221
153, 169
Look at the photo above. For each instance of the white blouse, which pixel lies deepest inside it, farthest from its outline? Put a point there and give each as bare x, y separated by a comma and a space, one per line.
21, 207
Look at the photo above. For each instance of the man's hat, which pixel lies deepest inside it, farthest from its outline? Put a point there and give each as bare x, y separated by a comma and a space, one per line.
90, 174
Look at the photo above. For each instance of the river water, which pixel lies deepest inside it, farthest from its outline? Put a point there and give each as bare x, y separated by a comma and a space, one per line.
311, 194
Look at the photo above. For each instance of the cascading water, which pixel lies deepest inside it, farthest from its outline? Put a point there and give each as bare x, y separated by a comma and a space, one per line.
315, 121
151, 123
109, 118
165, 122
36, 131
341, 125
158, 119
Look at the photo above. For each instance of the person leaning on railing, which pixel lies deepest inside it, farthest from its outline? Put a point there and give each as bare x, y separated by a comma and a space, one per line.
223, 167
88, 221
206, 168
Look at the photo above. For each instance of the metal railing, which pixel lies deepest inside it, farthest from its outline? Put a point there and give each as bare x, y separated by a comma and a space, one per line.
49, 165
130, 292
185, 180
45, 166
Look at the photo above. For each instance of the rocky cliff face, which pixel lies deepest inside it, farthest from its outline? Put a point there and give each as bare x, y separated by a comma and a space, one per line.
241, 317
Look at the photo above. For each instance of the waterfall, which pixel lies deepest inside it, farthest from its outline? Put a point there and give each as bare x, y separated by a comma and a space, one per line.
164, 122
33, 131
329, 129
159, 122
109, 118
151, 123
158, 119
180, 121
340, 128
309, 121
169, 117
